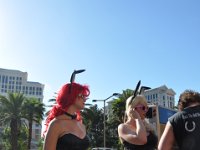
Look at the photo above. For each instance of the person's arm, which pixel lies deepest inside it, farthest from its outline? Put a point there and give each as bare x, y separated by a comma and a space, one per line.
141, 133
139, 136
51, 137
167, 139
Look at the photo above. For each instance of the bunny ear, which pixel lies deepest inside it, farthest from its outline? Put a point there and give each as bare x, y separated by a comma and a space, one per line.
143, 88
72, 79
137, 88
135, 91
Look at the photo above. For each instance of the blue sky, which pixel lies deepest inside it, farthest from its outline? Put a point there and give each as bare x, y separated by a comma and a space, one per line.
117, 42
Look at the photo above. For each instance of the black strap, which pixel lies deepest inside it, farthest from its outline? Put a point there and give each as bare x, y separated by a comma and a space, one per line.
70, 115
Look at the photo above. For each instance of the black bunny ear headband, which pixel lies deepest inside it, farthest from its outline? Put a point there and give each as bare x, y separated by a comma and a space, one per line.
142, 89
72, 79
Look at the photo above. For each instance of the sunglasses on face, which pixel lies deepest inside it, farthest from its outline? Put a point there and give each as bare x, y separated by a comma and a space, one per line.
142, 107
83, 96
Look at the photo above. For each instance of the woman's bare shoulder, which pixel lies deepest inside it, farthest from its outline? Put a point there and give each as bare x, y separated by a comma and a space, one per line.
57, 123
122, 127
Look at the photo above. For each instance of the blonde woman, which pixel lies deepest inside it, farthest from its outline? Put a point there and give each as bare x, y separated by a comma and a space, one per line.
135, 133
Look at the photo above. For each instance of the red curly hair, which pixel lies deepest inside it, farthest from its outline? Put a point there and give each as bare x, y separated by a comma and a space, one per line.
66, 97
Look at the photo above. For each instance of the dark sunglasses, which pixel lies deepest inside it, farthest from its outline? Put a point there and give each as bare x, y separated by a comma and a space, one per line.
144, 108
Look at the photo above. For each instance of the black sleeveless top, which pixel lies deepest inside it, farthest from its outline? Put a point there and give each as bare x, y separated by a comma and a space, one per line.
151, 144
186, 128
72, 142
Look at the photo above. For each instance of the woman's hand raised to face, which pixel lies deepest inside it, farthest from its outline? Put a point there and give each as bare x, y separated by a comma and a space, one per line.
132, 113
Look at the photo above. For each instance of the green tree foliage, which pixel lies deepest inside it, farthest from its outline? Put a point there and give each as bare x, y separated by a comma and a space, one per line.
93, 119
33, 111
40, 144
118, 106
11, 114
52, 103
22, 138
14, 109
115, 118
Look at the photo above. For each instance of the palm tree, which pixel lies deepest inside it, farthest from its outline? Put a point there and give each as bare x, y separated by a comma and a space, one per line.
118, 106
53, 102
94, 117
33, 111
10, 113
117, 117
88, 116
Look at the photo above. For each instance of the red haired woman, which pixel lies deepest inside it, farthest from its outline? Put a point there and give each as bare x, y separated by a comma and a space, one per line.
64, 128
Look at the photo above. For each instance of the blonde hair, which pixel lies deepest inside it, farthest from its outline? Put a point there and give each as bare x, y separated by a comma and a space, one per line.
132, 102
139, 99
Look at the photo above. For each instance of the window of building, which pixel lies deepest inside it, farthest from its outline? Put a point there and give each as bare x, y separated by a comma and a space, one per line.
37, 137
37, 125
3, 79
37, 131
6, 80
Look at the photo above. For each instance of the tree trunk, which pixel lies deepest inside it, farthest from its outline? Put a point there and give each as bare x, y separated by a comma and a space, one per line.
14, 134
29, 134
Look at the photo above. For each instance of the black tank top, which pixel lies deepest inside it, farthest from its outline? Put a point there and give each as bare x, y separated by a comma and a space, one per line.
151, 144
186, 128
72, 142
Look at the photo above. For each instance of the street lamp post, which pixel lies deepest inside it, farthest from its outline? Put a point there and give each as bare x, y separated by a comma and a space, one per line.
104, 116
